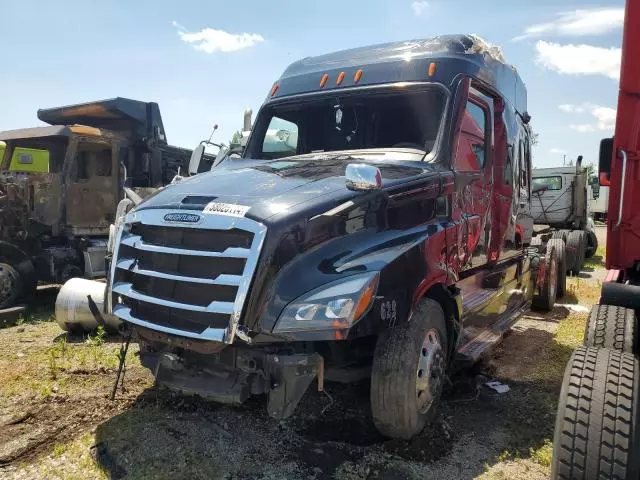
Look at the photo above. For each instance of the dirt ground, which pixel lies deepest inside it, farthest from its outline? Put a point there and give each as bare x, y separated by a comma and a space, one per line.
57, 421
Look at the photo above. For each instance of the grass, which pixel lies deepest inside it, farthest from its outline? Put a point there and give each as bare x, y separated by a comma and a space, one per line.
51, 364
542, 455
582, 291
68, 461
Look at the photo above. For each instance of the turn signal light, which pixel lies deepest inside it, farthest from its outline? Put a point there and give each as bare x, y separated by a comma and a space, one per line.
432, 69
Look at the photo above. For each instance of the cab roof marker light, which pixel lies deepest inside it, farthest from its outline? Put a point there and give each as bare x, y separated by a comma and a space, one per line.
432, 69
274, 89
340, 78
323, 80
357, 76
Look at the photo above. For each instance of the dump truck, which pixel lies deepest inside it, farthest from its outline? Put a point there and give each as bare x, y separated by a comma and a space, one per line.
561, 209
597, 431
60, 186
377, 225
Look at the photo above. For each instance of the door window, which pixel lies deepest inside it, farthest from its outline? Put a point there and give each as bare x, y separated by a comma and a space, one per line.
471, 155
93, 160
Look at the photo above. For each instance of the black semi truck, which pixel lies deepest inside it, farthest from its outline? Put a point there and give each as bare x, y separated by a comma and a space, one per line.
377, 223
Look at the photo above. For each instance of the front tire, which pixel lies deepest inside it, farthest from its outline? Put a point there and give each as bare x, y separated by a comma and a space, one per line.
11, 284
596, 434
408, 372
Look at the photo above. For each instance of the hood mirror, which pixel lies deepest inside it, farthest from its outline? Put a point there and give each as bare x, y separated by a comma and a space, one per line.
196, 158
362, 177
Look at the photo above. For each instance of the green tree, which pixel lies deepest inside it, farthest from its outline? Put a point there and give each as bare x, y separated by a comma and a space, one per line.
590, 169
235, 138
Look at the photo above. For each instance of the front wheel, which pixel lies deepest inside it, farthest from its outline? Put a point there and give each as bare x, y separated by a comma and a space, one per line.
11, 284
408, 372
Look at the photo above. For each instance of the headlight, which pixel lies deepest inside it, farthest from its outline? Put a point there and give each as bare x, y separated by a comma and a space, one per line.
336, 305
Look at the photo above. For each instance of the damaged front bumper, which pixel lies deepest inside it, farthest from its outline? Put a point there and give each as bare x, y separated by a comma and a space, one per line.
231, 374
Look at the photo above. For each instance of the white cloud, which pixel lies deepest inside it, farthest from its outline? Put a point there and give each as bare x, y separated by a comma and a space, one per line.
210, 40
419, 6
604, 118
573, 108
557, 150
579, 22
179, 26
579, 59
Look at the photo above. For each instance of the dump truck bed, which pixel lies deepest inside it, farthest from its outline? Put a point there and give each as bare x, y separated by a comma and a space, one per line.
132, 118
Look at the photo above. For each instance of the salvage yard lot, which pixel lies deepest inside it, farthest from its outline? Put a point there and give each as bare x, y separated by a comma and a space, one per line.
56, 419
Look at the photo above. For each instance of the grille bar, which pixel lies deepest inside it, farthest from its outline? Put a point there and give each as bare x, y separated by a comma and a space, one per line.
127, 290
214, 334
135, 241
130, 265
160, 269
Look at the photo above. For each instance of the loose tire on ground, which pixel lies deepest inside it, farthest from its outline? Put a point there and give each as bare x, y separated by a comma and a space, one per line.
397, 407
611, 327
546, 296
596, 433
592, 244
575, 251
561, 256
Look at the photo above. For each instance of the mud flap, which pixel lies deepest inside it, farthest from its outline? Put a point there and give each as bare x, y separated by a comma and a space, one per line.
290, 378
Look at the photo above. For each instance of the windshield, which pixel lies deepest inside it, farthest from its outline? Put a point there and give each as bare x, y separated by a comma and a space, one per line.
355, 122
547, 183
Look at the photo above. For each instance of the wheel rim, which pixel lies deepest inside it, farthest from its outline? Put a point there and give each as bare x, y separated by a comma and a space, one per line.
430, 373
9, 283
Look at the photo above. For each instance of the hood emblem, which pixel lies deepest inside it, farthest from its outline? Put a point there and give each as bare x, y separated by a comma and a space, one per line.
182, 217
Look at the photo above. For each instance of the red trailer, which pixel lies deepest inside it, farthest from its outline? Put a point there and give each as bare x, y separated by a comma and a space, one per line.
597, 432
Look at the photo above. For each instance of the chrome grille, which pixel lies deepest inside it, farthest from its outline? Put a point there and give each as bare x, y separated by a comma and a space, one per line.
188, 279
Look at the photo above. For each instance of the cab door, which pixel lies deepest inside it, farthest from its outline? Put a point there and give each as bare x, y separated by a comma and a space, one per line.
92, 185
474, 178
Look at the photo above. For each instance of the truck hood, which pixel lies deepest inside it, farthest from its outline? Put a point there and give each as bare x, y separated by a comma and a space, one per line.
267, 188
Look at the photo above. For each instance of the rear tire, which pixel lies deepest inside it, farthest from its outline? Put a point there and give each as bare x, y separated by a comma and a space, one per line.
575, 251
560, 234
611, 327
405, 359
592, 244
546, 297
596, 433
561, 256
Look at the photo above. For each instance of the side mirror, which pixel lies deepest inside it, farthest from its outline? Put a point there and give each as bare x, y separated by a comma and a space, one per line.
604, 162
363, 177
196, 158
595, 187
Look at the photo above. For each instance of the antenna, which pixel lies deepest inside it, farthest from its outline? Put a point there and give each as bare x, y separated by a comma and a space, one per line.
215, 127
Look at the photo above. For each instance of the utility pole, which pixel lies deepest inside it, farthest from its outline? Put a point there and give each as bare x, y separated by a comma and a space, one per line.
564, 160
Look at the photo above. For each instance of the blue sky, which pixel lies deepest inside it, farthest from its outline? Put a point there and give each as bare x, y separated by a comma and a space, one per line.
193, 59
